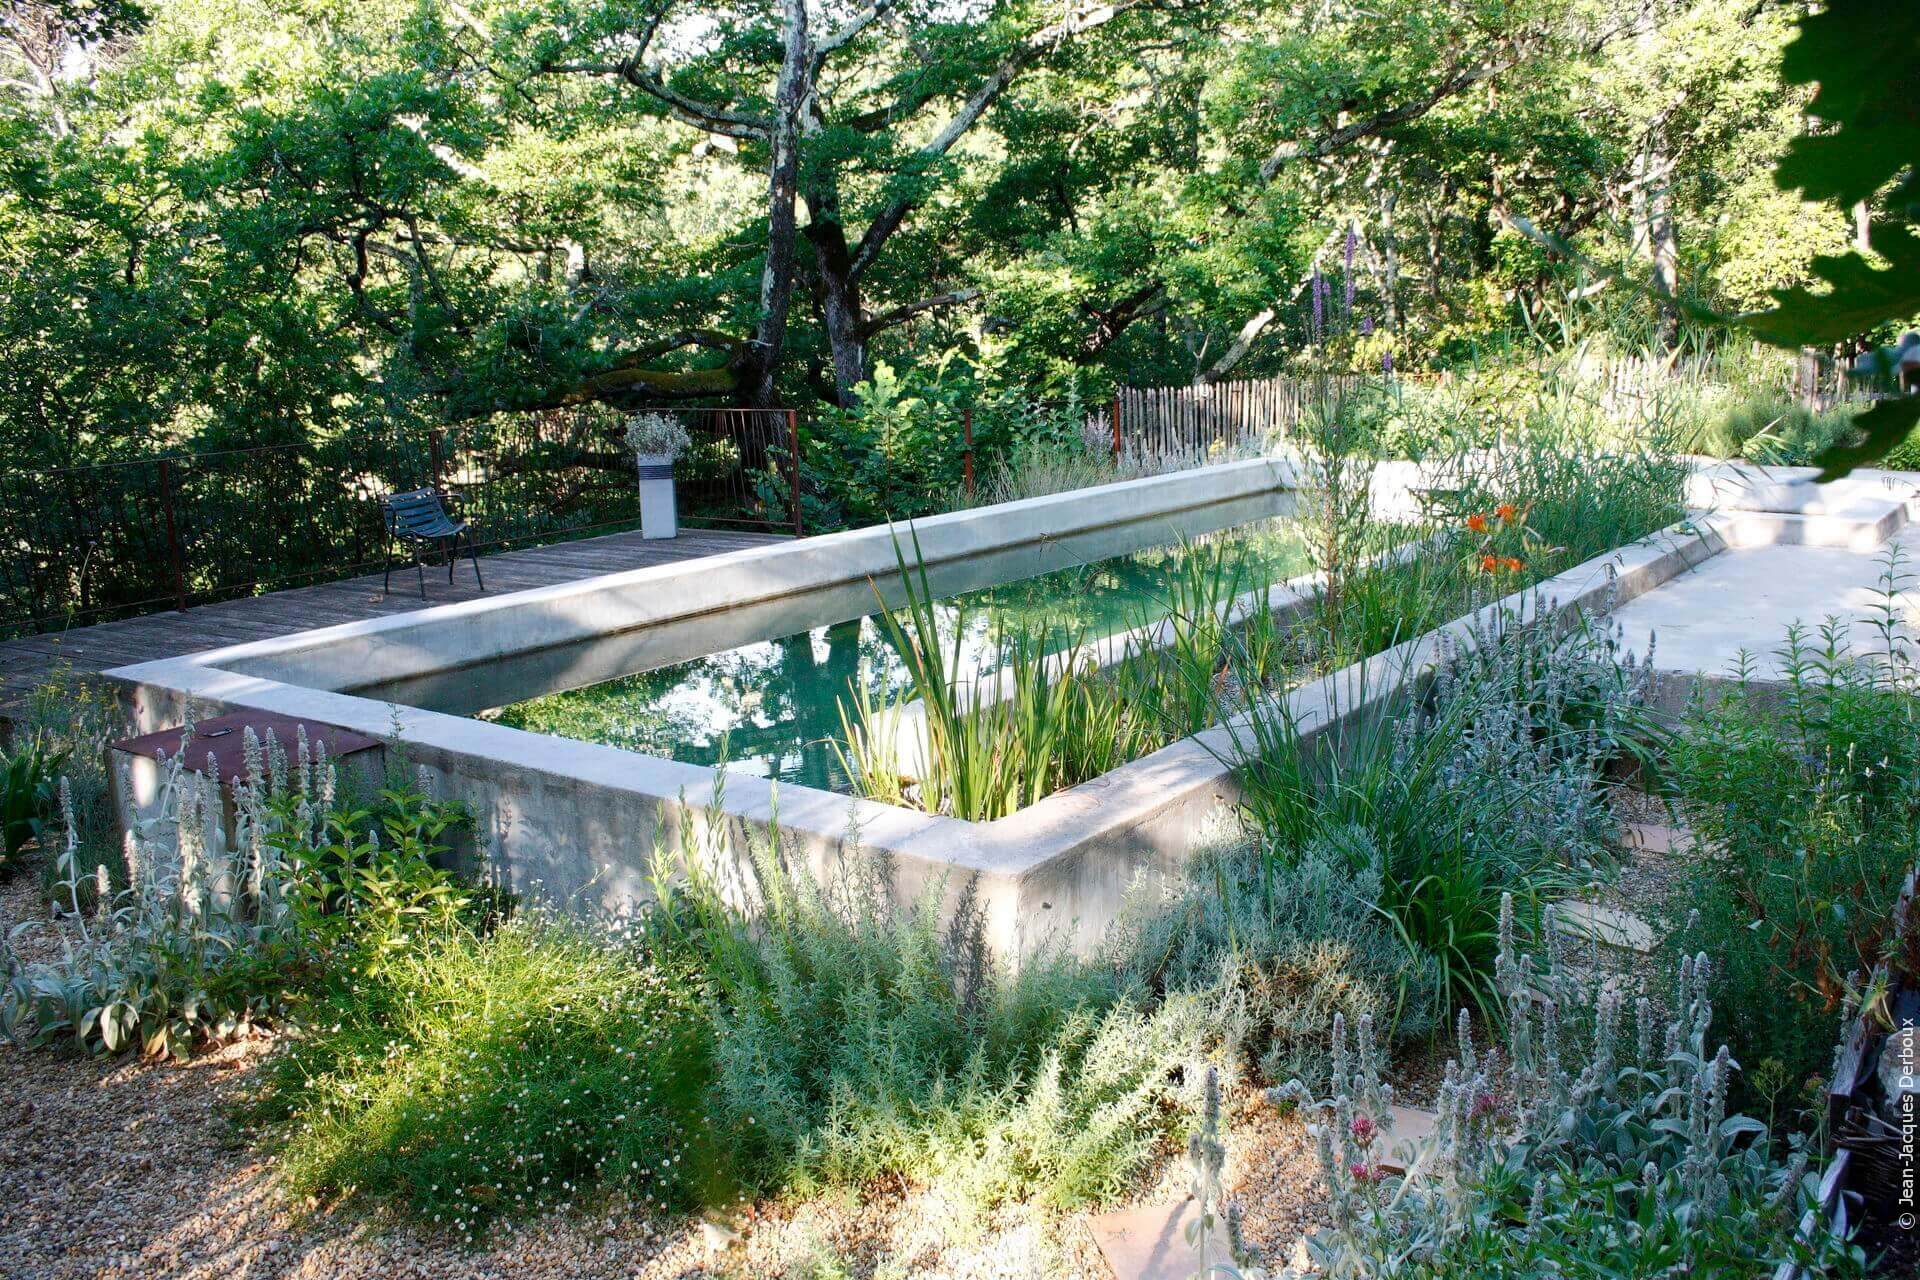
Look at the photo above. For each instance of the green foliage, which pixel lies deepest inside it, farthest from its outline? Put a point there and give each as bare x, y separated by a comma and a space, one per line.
1063, 711
1569, 1152
351, 892
1768, 428
899, 452
475, 1077
1485, 785
1804, 795
312, 222
1867, 136
76, 719
1279, 948
1872, 136
207, 937
27, 794
856, 1039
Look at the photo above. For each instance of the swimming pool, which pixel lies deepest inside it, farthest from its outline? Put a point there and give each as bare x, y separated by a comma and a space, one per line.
769, 704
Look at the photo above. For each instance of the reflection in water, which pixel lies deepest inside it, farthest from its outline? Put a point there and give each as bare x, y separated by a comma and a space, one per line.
772, 707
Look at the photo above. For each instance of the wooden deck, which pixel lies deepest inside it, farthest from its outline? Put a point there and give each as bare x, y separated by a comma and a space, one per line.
26, 663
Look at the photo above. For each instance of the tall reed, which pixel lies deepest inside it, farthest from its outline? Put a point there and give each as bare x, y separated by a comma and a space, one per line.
993, 743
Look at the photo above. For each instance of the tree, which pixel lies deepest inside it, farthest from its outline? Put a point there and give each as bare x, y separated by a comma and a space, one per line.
1864, 150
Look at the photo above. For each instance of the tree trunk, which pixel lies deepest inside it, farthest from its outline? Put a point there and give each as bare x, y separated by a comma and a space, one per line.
760, 361
839, 292
1653, 202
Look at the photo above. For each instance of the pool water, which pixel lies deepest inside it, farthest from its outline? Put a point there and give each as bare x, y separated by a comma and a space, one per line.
772, 707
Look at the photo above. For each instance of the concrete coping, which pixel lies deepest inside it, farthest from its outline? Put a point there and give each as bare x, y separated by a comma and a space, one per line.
450, 636
1065, 858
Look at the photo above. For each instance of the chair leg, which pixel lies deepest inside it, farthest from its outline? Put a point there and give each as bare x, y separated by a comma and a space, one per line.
474, 556
453, 556
386, 572
420, 568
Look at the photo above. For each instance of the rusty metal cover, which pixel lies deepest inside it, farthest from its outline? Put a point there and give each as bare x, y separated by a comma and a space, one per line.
225, 737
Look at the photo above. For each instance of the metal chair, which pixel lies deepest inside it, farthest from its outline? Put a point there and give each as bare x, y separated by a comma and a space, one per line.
417, 518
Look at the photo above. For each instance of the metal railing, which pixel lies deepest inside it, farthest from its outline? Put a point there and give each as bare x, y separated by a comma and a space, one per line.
86, 544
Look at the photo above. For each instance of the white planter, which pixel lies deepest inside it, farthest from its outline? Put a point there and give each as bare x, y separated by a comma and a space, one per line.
659, 517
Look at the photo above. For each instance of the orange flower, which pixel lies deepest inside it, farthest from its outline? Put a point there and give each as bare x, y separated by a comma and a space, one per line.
1489, 564
1505, 511
1477, 522
1511, 565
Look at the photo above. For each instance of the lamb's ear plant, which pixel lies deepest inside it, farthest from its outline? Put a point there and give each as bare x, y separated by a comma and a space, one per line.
200, 943
1595, 1141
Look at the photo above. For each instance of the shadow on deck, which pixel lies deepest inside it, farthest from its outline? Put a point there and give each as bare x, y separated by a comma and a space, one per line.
26, 663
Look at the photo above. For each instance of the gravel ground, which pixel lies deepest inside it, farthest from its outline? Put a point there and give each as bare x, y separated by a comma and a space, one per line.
126, 1169
121, 1168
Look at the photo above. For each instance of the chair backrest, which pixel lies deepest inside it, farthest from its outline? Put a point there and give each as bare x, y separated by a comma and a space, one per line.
415, 511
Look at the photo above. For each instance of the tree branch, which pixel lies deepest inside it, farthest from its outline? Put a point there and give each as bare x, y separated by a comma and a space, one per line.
872, 324
1085, 18
849, 31
1346, 135
1146, 300
704, 116
1238, 348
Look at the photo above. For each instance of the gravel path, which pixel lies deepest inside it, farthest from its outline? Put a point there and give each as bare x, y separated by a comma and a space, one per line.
127, 1169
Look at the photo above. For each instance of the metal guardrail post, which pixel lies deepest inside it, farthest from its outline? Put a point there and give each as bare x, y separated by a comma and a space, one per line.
176, 557
793, 445
966, 427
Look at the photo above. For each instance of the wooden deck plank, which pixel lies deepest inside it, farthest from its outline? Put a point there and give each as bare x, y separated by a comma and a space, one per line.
27, 662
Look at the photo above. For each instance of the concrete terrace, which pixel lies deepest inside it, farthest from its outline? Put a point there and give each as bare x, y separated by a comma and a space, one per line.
1799, 553
27, 662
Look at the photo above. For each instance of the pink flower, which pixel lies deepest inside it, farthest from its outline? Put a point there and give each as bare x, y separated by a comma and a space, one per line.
1362, 1128
1365, 1171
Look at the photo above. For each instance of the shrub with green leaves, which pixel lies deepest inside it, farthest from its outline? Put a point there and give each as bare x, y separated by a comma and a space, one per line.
1573, 1151
855, 1039
1279, 948
1804, 797
1487, 782
1766, 426
473, 1077
209, 930
28, 783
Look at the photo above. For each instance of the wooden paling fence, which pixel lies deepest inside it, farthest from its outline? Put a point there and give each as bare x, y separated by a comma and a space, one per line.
1164, 421
1193, 420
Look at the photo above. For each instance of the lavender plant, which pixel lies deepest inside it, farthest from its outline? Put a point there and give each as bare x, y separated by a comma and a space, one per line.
1488, 782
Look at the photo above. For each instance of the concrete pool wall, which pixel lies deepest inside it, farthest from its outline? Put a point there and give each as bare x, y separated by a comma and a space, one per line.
575, 822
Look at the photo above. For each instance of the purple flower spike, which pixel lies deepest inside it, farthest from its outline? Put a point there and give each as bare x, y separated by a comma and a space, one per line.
1366, 326
1316, 285
1386, 363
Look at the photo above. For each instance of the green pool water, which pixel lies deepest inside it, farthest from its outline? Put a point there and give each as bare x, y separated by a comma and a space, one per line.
771, 707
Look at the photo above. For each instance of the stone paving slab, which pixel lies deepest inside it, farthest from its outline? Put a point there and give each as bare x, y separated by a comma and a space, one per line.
1646, 837
1595, 923
1149, 1243
1744, 599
